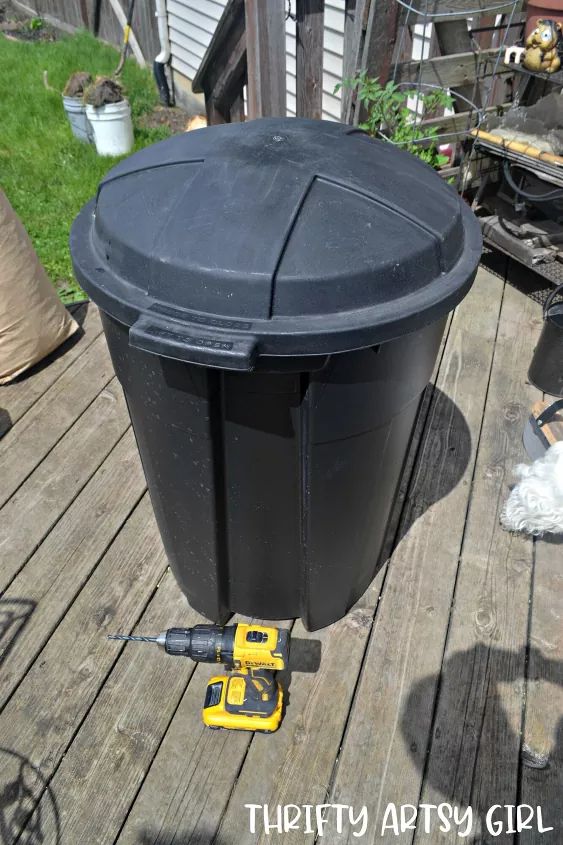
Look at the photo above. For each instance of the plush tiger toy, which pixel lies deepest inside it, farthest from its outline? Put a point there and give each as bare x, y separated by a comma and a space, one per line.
543, 47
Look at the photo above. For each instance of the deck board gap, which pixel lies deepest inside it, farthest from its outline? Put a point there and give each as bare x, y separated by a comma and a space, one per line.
111, 541
51, 528
22, 419
459, 560
424, 418
156, 750
520, 798
48, 779
19, 461
236, 777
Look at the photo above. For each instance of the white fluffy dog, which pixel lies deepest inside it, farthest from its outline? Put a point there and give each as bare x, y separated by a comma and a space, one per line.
535, 505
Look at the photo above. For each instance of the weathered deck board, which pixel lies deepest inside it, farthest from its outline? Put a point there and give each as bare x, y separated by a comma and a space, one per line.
116, 732
126, 725
30, 439
18, 397
202, 763
30, 513
276, 767
54, 575
476, 734
375, 766
542, 757
40, 720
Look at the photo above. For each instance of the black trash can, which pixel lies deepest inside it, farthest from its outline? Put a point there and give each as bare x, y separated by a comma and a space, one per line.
273, 295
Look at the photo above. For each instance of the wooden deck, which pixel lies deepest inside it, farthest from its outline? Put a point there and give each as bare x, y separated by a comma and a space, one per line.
444, 684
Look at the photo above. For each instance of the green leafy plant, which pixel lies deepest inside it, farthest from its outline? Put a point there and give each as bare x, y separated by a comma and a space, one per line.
35, 24
388, 115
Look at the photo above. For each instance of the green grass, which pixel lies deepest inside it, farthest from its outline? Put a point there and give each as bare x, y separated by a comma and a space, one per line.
45, 172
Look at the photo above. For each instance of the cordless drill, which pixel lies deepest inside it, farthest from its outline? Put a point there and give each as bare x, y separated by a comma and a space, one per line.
250, 698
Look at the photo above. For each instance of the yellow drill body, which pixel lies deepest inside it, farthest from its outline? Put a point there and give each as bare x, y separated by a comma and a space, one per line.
249, 698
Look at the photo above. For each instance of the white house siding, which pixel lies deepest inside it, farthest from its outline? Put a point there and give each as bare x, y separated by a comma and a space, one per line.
191, 24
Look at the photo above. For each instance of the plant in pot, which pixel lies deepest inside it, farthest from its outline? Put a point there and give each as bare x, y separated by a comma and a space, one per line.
109, 115
73, 93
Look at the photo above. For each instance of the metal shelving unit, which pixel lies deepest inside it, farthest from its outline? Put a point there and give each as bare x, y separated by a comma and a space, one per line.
486, 63
495, 233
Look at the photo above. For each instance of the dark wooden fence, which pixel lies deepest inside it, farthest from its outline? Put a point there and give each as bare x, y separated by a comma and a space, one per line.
99, 17
248, 48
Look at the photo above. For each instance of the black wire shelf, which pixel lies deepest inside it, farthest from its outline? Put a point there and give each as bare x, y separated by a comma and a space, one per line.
556, 78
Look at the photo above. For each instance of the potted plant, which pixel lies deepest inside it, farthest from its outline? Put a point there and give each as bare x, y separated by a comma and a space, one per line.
109, 115
73, 93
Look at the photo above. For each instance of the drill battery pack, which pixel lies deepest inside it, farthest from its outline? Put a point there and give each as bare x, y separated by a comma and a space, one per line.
247, 700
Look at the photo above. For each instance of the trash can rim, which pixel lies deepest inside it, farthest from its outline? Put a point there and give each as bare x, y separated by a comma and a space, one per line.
279, 336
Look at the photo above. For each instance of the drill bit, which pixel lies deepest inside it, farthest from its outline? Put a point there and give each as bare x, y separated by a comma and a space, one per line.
128, 637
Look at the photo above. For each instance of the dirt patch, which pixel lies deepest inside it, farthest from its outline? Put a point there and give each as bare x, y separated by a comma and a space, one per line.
18, 26
177, 120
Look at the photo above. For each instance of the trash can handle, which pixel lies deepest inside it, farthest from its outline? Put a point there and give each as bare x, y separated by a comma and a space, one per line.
171, 339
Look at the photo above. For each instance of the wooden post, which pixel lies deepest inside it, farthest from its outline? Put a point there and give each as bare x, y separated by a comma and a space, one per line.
309, 58
381, 34
96, 17
237, 109
265, 33
369, 41
213, 113
355, 23
84, 14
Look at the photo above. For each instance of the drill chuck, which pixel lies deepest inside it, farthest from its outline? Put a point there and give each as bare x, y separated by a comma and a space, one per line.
203, 643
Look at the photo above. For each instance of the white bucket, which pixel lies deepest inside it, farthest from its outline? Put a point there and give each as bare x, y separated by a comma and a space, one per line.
76, 113
112, 128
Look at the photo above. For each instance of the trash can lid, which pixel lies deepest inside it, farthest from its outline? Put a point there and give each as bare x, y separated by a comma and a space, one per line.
274, 237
